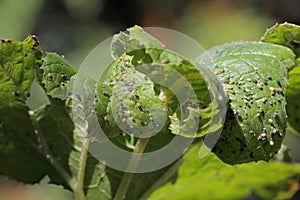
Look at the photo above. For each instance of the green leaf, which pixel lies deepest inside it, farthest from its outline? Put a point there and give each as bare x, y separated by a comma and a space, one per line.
254, 76
146, 75
56, 76
19, 160
289, 35
19, 63
292, 98
284, 34
127, 100
209, 178
180, 84
65, 142
135, 39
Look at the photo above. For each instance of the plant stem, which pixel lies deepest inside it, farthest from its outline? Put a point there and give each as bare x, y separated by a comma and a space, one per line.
46, 152
133, 162
170, 172
79, 193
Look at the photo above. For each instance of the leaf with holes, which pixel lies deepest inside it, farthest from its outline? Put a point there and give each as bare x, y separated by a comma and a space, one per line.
254, 76
19, 62
57, 74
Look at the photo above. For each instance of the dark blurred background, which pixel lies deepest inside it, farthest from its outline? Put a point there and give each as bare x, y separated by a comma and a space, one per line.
74, 27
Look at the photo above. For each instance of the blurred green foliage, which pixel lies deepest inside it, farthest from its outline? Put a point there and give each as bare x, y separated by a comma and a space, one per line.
210, 178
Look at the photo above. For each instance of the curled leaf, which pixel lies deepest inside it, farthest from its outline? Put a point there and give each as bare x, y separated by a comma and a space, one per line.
254, 76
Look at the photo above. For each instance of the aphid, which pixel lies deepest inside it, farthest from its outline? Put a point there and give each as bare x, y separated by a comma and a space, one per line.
254, 80
278, 90
229, 87
265, 81
260, 86
231, 75
136, 95
278, 82
245, 101
272, 91
242, 78
260, 111
219, 71
124, 120
119, 77
272, 143
127, 64
105, 118
235, 112
269, 77
62, 84
264, 100
49, 76
164, 61
104, 92
274, 130
63, 75
247, 90
231, 81
135, 86
279, 100
275, 114
271, 103
249, 79
139, 106
270, 121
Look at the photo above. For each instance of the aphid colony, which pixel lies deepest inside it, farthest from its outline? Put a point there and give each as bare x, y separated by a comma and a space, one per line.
60, 78
119, 101
253, 98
